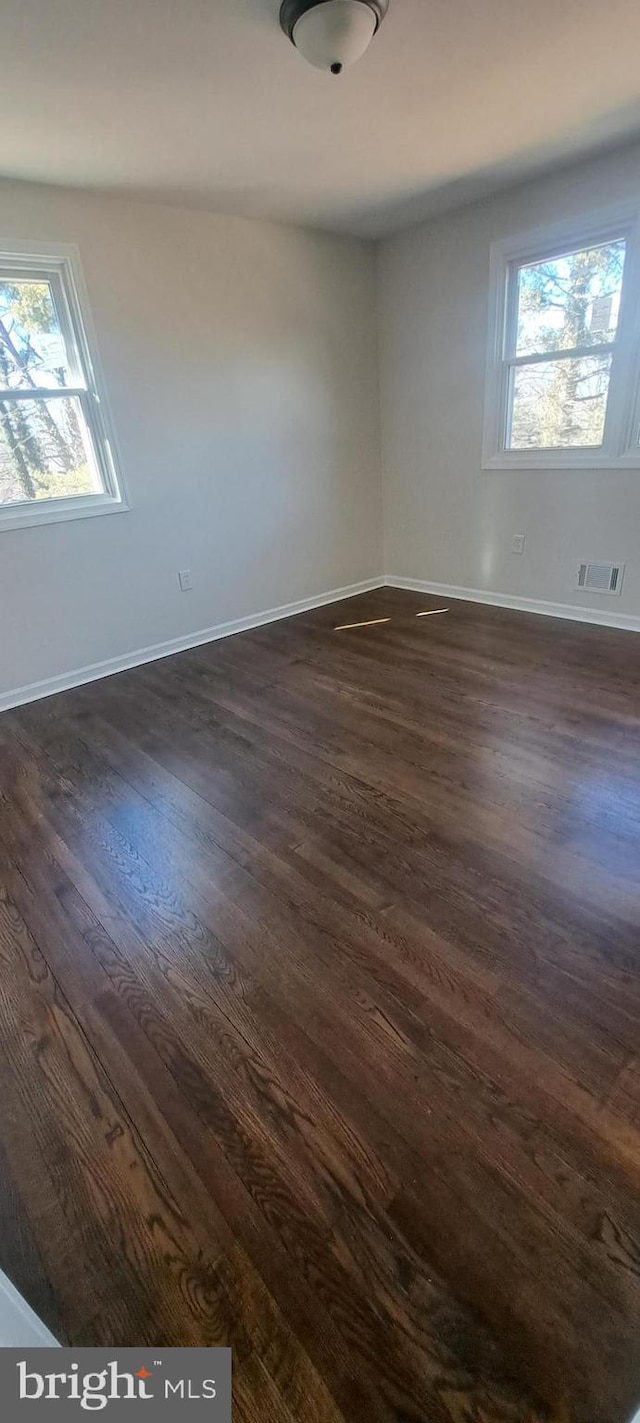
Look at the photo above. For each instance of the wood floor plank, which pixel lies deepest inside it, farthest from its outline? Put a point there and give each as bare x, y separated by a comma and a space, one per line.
320, 1010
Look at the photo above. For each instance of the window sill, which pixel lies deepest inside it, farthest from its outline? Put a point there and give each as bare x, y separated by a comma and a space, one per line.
25, 516
556, 460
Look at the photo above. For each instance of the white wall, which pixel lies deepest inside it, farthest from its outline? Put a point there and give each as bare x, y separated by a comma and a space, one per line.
240, 360
241, 366
446, 520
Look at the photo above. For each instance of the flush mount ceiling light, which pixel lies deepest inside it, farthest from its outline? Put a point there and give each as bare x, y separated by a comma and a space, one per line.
331, 34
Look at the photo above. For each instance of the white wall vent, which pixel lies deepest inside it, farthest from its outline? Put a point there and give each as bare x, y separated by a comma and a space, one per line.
600, 577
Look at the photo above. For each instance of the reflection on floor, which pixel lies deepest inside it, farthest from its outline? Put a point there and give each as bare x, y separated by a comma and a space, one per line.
319, 1012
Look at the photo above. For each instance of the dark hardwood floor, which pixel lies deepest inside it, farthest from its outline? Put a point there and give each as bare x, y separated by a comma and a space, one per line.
319, 1014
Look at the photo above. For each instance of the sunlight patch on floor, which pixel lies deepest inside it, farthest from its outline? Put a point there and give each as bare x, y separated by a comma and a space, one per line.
373, 622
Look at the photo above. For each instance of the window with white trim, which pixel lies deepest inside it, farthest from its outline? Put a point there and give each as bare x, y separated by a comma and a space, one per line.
56, 452
564, 348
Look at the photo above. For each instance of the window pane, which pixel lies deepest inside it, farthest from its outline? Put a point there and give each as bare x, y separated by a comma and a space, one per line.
32, 348
45, 452
559, 404
570, 301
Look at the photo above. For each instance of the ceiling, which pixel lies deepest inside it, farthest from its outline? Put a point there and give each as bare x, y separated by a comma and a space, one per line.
205, 102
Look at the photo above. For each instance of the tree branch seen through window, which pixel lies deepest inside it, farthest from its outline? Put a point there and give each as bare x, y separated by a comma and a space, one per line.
565, 307
563, 360
56, 453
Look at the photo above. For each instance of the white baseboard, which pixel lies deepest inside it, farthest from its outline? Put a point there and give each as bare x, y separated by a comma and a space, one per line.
604, 617
33, 691
20, 1327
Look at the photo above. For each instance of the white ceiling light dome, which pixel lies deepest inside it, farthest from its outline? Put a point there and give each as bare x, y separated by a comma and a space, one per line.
332, 34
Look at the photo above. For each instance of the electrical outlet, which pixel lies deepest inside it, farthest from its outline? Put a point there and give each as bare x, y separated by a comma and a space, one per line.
184, 579
517, 543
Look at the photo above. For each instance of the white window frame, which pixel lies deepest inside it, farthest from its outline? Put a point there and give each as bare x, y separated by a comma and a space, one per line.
60, 265
621, 446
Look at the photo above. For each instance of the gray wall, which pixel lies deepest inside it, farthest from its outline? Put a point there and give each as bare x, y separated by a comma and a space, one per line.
447, 520
240, 363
